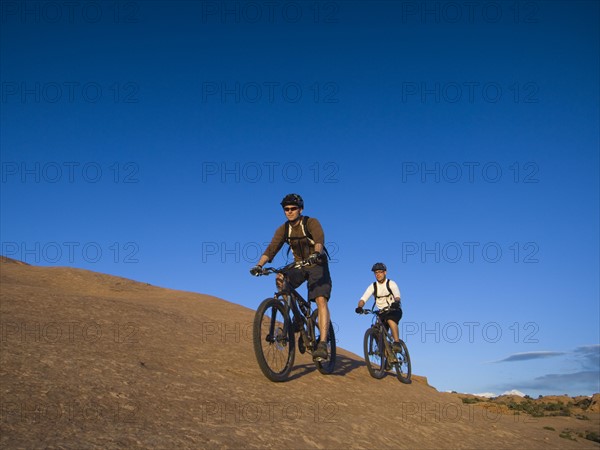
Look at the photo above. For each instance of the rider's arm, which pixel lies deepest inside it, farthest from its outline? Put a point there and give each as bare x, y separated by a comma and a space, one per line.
263, 260
316, 230
275, 245
368, 293
395, 290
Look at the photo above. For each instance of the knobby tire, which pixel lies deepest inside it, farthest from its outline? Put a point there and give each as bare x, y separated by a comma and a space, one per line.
403, 367
374, 354
273, 338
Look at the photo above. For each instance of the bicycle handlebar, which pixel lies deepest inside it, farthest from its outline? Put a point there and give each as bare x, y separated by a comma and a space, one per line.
375, 311
369, 311
284, 269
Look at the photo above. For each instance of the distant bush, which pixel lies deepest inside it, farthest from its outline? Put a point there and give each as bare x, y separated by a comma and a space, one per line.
470, 400
584, 403
558, 409
566, 434
541, 409
593, 436
549, 428
529, 407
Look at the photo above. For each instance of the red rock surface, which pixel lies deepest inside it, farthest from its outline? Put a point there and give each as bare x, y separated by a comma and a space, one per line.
95, 361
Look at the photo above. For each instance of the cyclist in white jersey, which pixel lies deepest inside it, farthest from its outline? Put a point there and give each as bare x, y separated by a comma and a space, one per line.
387, 299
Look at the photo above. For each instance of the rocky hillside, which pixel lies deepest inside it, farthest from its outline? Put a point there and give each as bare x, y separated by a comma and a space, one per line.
90, 360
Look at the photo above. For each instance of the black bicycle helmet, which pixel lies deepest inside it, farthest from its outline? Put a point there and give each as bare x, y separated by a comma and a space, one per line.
378, 266
293, 199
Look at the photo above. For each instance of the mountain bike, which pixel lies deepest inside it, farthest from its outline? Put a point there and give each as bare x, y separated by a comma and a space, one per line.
379, 353
274, 330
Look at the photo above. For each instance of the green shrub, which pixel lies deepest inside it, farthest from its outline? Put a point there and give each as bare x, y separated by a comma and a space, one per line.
567, 435
541, 409
593, 436
584, 404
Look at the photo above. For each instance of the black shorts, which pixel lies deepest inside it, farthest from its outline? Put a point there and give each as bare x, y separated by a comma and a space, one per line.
391, 314
318, 277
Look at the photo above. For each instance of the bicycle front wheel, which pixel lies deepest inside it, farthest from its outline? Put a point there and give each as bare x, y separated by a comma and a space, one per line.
402, 364
273, 340
374, 358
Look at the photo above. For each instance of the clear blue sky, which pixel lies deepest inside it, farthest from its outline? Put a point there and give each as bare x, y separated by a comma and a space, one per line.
455, 141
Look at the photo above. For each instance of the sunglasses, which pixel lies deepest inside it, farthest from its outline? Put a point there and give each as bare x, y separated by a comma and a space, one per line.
291, 208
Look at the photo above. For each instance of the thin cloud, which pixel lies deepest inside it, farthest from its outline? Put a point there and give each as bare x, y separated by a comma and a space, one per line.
588, 380
486, 395
514, 392
589, 356
578, 383
527, 356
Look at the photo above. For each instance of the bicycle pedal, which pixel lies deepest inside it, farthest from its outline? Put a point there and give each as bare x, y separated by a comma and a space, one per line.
320, 358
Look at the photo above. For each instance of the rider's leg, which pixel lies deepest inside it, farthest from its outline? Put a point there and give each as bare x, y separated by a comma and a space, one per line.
294, 279
323, 316
394, 327
319, 289
279, 282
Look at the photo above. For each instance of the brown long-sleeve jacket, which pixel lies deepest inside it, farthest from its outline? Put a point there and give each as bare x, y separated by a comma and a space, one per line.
301, 246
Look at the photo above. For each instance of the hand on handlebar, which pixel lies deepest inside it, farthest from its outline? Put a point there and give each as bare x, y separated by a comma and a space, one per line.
359, 310
256, 270
312, 259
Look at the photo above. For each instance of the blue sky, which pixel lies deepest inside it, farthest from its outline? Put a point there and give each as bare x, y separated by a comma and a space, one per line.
456, 142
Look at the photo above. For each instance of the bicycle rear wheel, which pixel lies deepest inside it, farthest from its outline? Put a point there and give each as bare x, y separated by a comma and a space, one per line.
273, 339
374, 358
402, 364
325, 366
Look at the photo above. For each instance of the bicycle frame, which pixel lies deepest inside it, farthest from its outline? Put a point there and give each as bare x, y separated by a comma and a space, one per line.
384, 331
300, 307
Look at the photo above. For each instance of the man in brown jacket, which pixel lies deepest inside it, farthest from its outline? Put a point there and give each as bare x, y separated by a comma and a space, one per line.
307, 242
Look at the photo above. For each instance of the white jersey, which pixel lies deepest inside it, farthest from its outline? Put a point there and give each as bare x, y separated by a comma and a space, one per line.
384, 297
